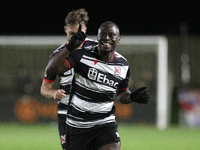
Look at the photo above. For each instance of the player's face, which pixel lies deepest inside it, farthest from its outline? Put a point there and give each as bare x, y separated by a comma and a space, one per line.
70, 30
108, 37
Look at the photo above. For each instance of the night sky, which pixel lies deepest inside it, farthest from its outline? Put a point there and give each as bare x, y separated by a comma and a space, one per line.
134, 17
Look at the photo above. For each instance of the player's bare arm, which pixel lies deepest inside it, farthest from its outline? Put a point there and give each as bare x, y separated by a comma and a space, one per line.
139, 96
123, 96
57, 63
47, 91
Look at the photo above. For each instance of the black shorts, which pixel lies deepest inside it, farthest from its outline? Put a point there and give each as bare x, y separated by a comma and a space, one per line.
62, 132
62, 125
93, 138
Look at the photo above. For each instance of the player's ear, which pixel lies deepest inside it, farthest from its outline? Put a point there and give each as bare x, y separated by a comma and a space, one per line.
118, 39
85, 29
65, 29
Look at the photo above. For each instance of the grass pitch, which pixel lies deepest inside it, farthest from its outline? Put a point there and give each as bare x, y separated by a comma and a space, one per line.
133, 137
150, 138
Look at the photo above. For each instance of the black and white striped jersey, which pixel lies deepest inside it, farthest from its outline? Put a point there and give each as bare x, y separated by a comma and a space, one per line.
66, 77
96, 82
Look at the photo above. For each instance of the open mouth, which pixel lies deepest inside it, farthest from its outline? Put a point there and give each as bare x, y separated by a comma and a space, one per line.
106, 44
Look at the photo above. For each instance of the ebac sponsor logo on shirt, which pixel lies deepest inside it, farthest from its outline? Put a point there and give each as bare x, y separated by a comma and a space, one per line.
93, 74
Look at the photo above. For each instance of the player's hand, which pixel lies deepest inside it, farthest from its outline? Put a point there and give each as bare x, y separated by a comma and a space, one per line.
76, 40
59, 94
140, 96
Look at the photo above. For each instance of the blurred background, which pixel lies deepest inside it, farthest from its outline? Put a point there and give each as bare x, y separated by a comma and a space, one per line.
22, 66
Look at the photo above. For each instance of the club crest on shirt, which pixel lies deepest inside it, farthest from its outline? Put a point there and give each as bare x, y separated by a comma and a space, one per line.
117, 71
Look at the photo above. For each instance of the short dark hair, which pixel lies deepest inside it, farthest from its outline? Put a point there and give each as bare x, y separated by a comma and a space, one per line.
77, 17
112, 23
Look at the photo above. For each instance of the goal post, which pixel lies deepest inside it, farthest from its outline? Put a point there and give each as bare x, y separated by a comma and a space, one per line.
162, 113
130, 45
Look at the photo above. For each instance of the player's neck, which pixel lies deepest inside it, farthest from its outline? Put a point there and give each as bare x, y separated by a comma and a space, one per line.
107, 56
